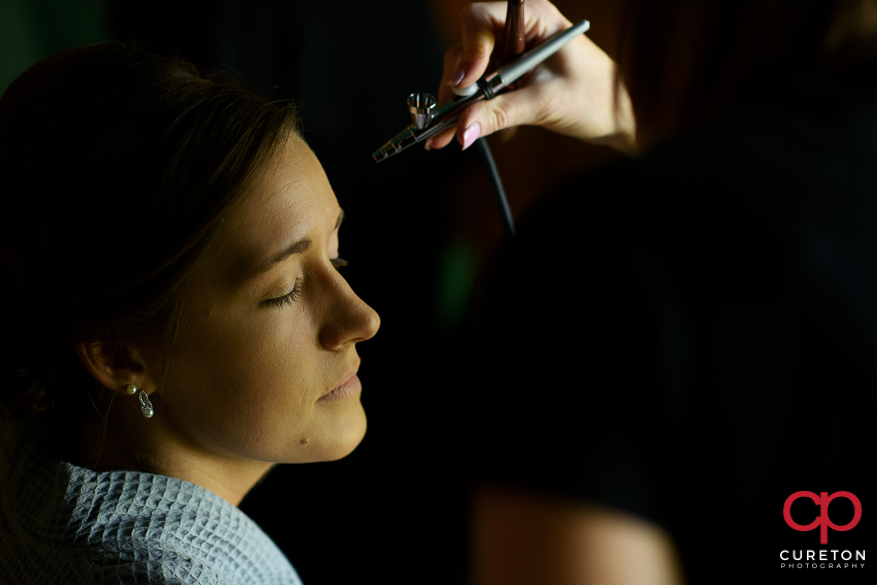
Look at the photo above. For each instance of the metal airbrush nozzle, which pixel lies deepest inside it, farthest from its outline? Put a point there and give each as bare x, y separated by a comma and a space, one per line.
396, 144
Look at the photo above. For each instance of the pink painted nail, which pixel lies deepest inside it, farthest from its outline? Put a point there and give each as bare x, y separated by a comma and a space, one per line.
457, 77
473, 131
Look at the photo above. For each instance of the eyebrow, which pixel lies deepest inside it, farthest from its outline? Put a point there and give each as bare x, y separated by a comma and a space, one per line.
297, 248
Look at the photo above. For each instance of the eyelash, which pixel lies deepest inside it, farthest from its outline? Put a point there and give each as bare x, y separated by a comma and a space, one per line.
296, 291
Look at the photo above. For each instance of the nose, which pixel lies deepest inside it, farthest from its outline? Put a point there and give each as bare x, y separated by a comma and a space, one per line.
346, 319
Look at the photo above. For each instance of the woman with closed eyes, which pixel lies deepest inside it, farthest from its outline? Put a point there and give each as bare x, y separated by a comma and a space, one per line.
174, 321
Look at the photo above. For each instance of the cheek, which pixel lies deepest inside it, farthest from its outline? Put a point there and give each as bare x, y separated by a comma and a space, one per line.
252, 369
244, 381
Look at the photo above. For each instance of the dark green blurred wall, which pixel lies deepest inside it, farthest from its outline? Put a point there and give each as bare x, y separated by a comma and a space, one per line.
33, 29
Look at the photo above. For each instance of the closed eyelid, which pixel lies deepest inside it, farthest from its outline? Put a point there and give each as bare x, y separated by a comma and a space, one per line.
286, 299
300, 247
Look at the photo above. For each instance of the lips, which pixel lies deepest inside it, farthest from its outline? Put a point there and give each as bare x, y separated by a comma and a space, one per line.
351, 387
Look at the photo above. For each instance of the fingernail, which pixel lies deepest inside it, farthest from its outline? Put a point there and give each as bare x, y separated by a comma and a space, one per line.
457, 77
428, 144
473, 131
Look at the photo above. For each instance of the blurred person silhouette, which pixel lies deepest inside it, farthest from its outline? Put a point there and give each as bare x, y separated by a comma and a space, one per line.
673, 346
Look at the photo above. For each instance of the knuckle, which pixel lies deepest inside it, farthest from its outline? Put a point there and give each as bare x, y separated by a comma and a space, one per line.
500, 118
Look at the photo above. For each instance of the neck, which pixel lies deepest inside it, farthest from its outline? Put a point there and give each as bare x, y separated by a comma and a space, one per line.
131, 443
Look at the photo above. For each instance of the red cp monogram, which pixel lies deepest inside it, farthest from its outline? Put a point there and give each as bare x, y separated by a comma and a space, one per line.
822, 500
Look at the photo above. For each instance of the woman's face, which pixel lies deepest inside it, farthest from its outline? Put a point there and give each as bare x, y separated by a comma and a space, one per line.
265, 364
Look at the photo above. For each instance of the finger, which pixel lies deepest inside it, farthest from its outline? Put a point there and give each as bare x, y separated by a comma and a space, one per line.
480, 24
452, 57
441, 140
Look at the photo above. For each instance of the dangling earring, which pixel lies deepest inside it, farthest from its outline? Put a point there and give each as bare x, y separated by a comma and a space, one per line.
145, 405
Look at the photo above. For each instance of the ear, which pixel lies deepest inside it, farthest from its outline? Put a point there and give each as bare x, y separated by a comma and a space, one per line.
115, 365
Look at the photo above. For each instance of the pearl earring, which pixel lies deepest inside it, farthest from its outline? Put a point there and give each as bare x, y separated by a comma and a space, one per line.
131, 389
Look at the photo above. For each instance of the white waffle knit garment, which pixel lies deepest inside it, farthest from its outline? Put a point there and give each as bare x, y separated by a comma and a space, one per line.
64, 524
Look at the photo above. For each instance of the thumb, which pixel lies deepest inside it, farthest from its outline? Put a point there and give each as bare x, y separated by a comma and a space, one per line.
486, 117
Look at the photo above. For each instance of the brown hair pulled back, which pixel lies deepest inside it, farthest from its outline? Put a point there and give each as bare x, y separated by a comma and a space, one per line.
116, 167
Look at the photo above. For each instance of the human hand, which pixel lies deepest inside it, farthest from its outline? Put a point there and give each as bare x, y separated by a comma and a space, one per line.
571, 93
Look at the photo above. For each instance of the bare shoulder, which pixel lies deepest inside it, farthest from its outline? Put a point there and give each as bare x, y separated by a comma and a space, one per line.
522, 538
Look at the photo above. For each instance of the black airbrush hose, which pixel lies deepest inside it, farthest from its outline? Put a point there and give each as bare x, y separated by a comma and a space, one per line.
496, 185
512, 45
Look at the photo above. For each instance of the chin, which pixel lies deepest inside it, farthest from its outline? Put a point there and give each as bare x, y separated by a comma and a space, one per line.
343, 439
351, 438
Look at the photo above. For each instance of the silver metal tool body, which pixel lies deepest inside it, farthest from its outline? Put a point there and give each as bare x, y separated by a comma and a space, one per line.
429, 120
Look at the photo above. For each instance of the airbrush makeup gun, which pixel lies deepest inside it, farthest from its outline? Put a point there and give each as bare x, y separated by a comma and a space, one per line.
429, 120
